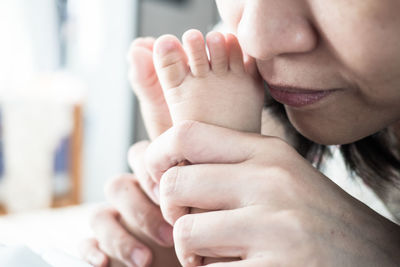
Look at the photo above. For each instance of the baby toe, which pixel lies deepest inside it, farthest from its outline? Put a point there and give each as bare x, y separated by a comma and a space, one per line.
235, 53
194, 45
142, 72
170, 61
145, 42
218, 52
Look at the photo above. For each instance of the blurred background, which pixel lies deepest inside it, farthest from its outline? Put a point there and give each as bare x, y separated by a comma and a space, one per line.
67, 114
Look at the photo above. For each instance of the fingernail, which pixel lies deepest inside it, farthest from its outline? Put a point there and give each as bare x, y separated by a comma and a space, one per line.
140, 257
166, 234
96, 258
156, 192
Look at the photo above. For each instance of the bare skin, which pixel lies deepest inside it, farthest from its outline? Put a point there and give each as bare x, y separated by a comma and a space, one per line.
197, 88
154, 240
348, 45
181, 83
301, 44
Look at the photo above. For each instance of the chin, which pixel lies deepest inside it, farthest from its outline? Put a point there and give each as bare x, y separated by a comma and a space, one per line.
324, 132
322, 138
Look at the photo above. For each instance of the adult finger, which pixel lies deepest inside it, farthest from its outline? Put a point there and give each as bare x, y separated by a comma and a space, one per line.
198, 142
226, 186
136, 162
138, 212
230, 233
116, 242
90, 252
217, 234
186, 186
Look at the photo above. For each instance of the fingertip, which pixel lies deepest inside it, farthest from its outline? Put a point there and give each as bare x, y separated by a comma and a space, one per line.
90, 252
98, 259
141, 257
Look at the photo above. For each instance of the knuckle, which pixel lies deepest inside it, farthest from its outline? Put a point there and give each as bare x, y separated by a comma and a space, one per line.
117, 185
146, 219
168, 183
277, 185
296, 222
137, 149
143, 218
183, 230
280, 176
136, 152
100, 216
169, 194
183, 131
122, 246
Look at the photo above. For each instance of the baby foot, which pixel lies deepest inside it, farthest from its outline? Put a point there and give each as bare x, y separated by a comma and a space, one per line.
222, 90
144, 81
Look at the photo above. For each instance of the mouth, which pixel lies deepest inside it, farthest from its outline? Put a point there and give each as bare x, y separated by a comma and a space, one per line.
297, 97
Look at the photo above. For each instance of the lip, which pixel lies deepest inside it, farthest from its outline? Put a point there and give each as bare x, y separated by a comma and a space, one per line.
297, 97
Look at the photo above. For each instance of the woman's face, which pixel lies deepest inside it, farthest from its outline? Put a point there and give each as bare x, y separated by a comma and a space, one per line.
335, 64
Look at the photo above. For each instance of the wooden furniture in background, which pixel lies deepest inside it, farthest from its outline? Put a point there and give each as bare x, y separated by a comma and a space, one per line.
73, 197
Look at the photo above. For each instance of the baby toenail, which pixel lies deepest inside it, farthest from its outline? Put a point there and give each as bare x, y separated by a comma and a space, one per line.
166, 48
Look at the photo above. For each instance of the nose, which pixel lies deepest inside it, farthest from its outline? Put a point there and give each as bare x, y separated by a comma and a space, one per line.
269, 28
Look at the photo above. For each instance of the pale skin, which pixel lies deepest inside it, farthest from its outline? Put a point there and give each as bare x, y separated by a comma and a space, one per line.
226, 76
294, 204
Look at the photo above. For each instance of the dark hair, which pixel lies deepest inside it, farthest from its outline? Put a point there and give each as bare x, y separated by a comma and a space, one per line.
375, 159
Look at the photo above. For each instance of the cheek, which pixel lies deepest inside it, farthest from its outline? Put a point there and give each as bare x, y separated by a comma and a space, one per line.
364, 36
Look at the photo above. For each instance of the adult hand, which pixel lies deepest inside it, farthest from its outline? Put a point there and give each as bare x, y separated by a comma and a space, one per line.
271, 207
132, 231
133, 223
